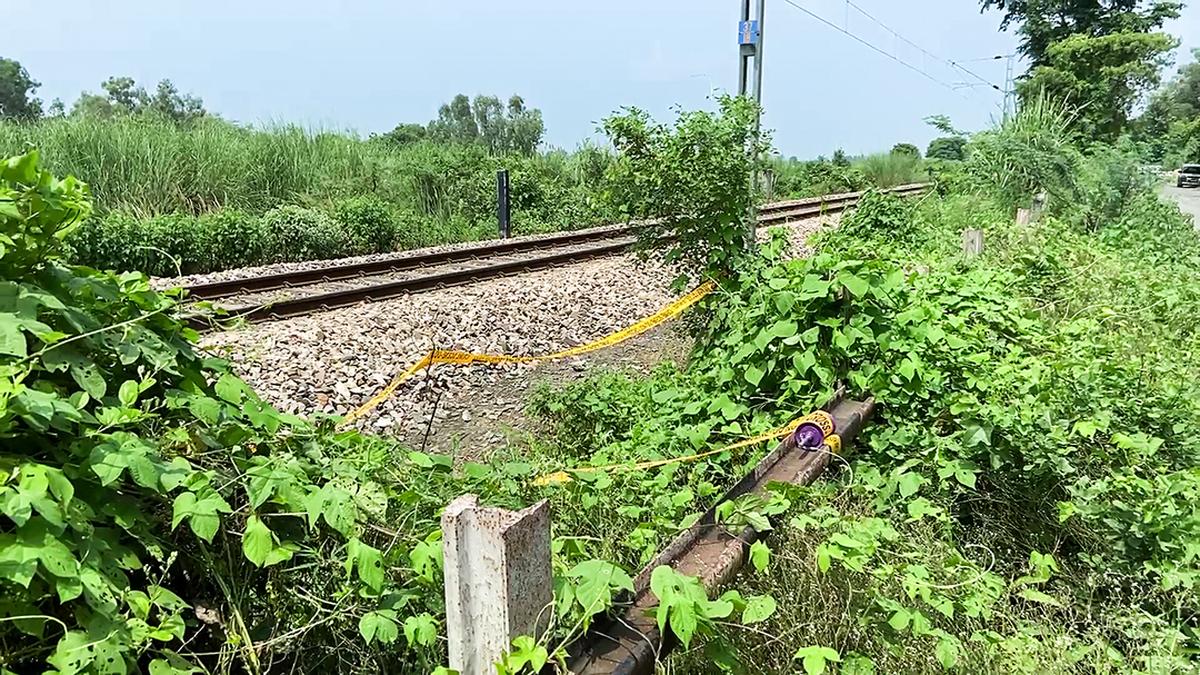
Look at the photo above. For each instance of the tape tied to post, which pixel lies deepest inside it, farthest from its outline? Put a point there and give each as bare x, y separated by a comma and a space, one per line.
443, 356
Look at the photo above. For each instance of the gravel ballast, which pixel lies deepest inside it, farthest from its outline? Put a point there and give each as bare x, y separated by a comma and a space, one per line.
333, 361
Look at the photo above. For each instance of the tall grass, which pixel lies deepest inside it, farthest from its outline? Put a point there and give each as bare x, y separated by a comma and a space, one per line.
146, 165
889, 169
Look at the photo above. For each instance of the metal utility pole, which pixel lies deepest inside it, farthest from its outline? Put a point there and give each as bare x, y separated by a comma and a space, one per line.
750, 48
1009, 93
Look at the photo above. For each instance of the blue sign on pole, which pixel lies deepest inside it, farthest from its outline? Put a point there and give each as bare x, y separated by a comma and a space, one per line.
748, 32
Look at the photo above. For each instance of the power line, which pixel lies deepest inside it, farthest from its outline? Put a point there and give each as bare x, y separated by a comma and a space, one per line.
921, 49
867, 44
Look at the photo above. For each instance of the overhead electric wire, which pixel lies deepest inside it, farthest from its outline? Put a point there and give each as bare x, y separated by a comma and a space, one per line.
921, 49
867, 44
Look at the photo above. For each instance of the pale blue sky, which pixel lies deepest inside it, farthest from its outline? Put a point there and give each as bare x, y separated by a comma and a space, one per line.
367, 65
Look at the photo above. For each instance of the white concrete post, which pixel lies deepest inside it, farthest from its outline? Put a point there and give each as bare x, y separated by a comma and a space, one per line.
499, 582
972, 242
1024, 216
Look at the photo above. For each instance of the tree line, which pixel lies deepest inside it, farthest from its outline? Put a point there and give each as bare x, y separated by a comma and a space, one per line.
1103, 58
500, 128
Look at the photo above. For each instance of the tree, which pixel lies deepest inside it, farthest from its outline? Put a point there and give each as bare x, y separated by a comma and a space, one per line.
947, 147
168, 102
687, 184
840, 158
1101, 77
906, 149
1041, 23
487, 122
16, 92
405, 133
455, 122
1169, 124
525, 126
122, 96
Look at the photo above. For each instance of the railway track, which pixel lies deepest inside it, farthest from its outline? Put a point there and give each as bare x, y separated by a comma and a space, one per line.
295, 293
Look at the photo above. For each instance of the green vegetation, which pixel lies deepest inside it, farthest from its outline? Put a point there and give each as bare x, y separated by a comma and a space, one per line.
161, 188
16, 92
1024, 501
1099, 59
690, 182
1170, 126
177, 189
1043, 23
161, 514
797, 179
1014, 507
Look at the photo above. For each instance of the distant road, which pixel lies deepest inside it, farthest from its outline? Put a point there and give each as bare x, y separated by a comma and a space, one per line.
1187, 198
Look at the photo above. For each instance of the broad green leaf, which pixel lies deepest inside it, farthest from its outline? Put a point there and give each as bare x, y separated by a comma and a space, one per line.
55, 556
909, 483
816, 658
257, 541
420, 630
784, 301
758, 608
12, 340
683, 622
380, 626
823, 558
784, 329
596, 582
128, 393
760, 556
230, 388
853, 283
370, 567
89, 379
754, 374
1035, 595
946, 651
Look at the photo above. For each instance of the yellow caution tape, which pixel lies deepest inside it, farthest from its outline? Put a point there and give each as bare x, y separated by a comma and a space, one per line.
564, 476
834, 443
822, 419
467, 358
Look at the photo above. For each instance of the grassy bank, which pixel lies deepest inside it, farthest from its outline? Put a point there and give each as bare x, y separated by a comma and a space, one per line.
208, 195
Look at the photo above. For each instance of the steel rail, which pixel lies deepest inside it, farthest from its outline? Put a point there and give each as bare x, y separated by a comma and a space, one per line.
280, 280
772, 214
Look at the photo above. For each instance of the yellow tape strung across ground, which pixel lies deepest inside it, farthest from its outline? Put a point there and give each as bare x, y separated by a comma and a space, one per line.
564, 476
467, 358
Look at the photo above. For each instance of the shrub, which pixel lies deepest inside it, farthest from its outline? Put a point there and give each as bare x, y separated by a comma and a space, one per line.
812, 179
294, 233
162, 246
890, 169
155, 514
369, 222
947, 147
1029, 152
230, 239
879, 214
689, 181
1110, 178
906, 149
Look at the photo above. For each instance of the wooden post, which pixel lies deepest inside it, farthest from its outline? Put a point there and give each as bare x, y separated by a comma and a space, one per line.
972, 242
498, 579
